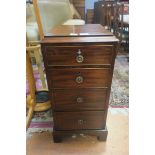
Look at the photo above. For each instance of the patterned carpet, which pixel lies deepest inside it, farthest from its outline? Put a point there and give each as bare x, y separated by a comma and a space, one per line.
119, 97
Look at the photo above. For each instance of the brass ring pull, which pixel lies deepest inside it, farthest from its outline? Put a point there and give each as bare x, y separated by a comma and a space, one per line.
79, 100
79, 79
79, 58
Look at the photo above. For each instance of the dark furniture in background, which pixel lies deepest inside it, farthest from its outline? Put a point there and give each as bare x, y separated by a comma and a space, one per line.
79, 62
90, 16
121, 24
114, 14
98, 12
102, 10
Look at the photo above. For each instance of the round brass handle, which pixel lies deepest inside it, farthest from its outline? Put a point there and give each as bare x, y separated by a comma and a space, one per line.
79, 100
79, 79
79, 58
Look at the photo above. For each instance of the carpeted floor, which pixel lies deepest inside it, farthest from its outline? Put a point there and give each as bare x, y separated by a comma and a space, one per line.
119, 96
41, 143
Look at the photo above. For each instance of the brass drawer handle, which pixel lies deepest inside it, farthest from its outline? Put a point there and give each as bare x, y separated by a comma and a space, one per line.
79, 79
80, 121
79, 58
79, 100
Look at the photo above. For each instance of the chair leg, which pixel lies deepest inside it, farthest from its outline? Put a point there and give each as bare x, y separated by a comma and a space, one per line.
29, 117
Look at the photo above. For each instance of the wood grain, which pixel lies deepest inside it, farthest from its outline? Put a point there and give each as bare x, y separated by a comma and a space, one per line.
66, 78
79, 99
78, 40
67, 55
79, 88
79, 30
81, 120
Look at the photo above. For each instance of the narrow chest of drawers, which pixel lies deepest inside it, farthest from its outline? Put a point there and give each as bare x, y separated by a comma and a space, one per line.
79, 75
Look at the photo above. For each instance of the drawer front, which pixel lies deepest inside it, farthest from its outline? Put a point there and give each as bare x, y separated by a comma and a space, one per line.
79, 78
79, 120
78, 55
82, 99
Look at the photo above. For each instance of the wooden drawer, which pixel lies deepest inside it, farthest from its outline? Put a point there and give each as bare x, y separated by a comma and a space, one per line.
79, 78
81, 99
79, 120
78, 55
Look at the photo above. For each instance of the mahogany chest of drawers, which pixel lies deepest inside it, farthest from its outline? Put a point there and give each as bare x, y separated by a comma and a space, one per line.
79, 68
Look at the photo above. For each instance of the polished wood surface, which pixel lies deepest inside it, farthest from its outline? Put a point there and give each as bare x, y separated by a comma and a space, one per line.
80, 120
69, 55
76, 40
79, 99
78, 30
79, 72
67, 78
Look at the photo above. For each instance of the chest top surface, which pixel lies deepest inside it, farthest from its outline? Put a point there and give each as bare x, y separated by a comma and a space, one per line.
78, 34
